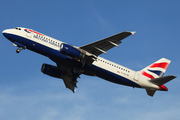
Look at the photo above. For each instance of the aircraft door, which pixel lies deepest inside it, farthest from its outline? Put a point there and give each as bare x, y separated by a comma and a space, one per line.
136, 76
29, 34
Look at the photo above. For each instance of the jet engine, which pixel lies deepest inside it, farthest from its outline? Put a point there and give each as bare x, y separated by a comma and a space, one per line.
72, 51
51, 70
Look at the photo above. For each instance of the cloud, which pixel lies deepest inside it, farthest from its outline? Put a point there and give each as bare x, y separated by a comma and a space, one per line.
44, 99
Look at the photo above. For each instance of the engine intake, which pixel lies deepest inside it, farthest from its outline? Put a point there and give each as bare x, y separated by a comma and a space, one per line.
51, 70
71, 51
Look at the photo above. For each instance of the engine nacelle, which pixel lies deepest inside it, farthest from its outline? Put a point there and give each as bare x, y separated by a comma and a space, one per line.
71, 51
50, 70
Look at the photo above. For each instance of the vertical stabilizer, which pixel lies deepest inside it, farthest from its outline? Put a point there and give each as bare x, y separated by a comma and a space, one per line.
150, 92
156, 69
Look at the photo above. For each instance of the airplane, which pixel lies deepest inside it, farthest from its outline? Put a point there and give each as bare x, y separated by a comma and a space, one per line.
72, 61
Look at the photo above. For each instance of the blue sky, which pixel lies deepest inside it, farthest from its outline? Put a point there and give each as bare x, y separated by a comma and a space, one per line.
26, 93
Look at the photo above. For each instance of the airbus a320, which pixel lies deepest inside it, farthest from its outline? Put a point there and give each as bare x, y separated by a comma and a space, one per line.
72, 61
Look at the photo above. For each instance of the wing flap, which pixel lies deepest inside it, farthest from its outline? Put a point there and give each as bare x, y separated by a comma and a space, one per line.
69, 82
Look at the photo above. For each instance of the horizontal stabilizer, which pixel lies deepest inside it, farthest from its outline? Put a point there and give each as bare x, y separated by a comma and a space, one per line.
162, 80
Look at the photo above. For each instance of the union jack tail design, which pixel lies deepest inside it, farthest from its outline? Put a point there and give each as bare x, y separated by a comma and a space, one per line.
156, 69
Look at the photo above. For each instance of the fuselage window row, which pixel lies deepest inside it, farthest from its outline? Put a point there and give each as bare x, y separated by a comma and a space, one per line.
113, 65
47, 40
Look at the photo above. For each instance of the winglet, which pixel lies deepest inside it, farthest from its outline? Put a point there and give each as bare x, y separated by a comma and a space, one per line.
133, 33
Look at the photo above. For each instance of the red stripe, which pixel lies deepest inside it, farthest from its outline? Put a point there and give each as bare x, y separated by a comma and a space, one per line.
148, 75
34, 32
163, 65
163, 88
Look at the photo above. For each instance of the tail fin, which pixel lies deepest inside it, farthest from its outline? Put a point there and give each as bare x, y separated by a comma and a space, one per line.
150, 92
155, 72
156, 69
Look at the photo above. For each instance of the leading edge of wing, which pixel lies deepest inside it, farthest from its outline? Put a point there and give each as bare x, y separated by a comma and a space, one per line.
104, 45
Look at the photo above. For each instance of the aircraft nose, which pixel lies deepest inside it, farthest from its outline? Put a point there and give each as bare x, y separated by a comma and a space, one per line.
8, 34
4, 32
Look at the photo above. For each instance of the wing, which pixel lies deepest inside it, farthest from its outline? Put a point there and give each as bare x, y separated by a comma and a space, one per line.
70, 81
69, 77
104, 45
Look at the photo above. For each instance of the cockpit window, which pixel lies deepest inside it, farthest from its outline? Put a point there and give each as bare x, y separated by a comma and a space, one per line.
18, 28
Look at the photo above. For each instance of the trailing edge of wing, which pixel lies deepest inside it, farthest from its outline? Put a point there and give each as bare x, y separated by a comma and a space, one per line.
69, 82
106, 44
